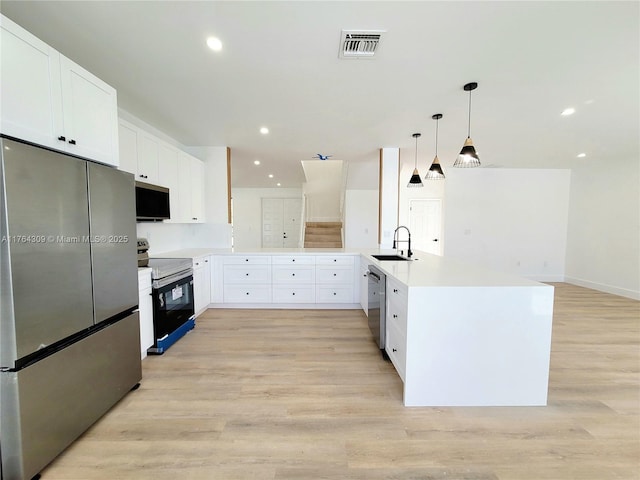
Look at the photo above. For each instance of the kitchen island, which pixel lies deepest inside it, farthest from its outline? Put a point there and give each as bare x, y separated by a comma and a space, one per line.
461, 335
458, 335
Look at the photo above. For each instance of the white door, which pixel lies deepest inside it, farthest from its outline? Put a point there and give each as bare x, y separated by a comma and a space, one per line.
281, 222
425, 225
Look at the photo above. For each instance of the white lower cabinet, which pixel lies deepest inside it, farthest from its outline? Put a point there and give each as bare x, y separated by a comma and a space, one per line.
396, 328
284, 279
246, 279
201, 283
293, 279
335, 279
145, 310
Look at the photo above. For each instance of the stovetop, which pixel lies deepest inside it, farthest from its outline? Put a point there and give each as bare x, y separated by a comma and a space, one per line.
163, 267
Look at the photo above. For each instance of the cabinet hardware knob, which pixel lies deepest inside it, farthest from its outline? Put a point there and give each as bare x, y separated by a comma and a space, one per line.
194, 218
335, 259
393, 349
293, 274
335, 274
395, 316
293, 293
334, 293
247, 293
293, 260
246, 259
62, 138
72, 142
247, 274
395, 290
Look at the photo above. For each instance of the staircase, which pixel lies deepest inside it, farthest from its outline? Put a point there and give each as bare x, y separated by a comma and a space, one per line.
323, 235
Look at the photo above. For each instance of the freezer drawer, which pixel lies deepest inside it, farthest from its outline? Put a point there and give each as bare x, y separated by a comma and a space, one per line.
45, 406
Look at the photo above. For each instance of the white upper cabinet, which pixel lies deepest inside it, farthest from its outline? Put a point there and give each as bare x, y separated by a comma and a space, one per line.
191, 187
90, 112
168, 177
49, 100
31, 97
128, 143
148, 150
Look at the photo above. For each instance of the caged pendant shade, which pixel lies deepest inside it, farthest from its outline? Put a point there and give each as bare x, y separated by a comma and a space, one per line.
468, 157
435, 171
415, 180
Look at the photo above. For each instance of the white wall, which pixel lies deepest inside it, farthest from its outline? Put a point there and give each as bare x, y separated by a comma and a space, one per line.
247, 213
510, 220
323, 189
603, 244
361, 219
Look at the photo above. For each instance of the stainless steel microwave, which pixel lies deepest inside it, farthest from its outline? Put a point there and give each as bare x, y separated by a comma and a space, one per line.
152, 202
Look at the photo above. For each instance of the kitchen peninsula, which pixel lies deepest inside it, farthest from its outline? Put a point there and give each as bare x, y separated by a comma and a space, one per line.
458, 335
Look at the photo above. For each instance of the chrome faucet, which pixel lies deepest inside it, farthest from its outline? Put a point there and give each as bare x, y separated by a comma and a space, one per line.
409, 252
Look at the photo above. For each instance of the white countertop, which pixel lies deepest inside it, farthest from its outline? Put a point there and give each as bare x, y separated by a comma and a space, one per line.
427, 270
423, 270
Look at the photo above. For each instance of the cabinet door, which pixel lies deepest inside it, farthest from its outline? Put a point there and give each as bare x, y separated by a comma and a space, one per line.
168, 177
146, 321
90, 112
31, 107
128, 146
201, 283
148, 150
197, 190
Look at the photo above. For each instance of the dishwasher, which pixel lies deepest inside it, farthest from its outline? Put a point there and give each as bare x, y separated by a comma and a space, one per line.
376, 287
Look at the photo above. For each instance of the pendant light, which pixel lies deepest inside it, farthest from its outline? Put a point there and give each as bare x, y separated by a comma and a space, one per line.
435, 171
468, 157
415, 180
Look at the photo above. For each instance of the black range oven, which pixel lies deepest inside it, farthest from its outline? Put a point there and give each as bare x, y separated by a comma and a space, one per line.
173, 308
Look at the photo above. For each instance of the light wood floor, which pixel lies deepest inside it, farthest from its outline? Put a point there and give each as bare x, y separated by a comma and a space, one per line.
255, 394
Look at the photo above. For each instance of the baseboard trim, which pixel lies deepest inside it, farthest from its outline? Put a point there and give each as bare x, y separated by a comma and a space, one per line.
623, 292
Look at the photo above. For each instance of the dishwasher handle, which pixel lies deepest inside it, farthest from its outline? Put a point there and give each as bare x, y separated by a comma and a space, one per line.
374, 276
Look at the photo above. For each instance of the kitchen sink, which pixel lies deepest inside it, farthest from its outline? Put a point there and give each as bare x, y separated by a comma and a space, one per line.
391, 257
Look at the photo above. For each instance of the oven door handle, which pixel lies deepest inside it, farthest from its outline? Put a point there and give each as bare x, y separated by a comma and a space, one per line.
163, 282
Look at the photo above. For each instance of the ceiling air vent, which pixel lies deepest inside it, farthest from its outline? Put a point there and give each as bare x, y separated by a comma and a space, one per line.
359, 43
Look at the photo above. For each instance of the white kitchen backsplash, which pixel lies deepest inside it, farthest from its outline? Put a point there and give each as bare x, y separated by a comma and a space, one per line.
166, 237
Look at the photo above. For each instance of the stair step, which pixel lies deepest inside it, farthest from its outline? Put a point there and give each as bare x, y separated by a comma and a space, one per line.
322, 244
324, 224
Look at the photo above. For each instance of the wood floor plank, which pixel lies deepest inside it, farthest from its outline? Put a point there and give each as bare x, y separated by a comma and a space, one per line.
304, 394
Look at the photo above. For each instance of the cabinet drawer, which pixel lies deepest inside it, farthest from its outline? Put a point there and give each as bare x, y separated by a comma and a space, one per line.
293, 274
246, 260
247, 294
293, 260
331, 294
396, 348
397, 314
334, 275
247, 274
397, 290
294, 294
335, 260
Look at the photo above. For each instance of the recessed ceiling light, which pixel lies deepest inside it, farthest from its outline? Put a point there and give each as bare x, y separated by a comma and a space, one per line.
256, 162
264, 130
271, 175
582, 155
568, 111
214, 44
278, 184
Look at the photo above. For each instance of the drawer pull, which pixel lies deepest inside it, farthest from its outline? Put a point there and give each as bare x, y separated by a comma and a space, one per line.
395, 316
394, 350
293, 293
334, 293
247, 293
293, 260
246, 259
335, 274
395, 290
293, 274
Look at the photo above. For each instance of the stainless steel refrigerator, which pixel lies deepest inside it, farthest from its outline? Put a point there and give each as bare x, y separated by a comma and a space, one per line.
69, 335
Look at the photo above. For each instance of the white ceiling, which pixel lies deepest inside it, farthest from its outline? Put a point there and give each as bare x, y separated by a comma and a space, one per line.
279, 68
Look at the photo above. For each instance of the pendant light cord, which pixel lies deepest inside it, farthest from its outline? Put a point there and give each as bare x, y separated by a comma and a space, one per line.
437, 122
469, 126
416, 161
